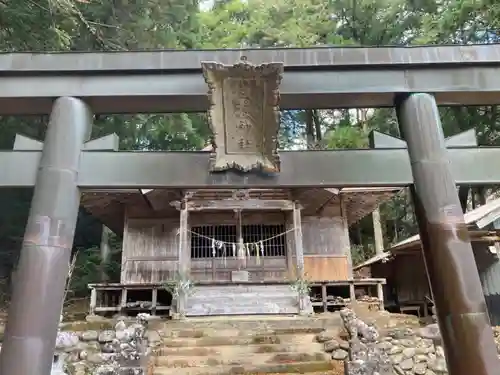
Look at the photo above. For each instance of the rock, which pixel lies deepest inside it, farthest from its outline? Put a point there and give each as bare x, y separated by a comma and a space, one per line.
120, 326
79, 369
422, 350
96, 319
420, 358
324, 337
95, 358
108, 348
439, 351
358, 350
408, 352
89, 336
90, 346
384, 346
426, 343
397, 359
407, 343
385, 366
106, 336
399, 371
395, 350
407, 364
66, 340
438, 365
344, 345
430, 332
331, 345
339, 355
420, 368
397, 334
83, 355
123, 336
105, 370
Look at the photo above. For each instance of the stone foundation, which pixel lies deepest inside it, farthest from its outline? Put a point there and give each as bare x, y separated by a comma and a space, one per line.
121, 350
243, 299
398, 350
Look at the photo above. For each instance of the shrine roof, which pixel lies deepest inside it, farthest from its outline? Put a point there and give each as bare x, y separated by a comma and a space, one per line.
109, 206
476, 219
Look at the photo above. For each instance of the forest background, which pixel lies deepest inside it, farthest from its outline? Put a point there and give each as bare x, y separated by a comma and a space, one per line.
118, 25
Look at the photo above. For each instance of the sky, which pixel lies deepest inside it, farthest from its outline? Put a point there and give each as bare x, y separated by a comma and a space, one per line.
206, 4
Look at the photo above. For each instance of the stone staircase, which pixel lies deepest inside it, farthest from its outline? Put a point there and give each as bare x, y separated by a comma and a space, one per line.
243, 346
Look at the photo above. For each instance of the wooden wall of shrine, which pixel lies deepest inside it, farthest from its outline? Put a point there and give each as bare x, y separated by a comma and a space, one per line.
326, 248
150, 249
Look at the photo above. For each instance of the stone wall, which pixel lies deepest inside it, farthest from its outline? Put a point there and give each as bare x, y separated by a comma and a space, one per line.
119, 350
401, 350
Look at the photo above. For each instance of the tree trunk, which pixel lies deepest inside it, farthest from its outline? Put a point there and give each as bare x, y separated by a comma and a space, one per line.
309, 129
463, 195
377, 232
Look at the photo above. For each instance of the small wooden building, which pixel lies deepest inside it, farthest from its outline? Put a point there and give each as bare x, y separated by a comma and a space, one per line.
403, 267
278, 230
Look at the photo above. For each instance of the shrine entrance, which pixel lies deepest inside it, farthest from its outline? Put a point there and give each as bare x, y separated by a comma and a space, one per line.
254, 252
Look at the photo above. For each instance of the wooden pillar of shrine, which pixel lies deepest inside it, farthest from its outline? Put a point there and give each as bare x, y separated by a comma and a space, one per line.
299, 247
184, 256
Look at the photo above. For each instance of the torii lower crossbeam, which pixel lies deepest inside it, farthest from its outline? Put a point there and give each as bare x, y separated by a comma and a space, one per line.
300, 169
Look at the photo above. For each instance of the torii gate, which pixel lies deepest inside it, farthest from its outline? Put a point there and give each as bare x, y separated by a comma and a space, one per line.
74, 86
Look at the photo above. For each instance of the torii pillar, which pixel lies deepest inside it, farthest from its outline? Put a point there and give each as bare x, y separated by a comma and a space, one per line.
37, 298
461, 308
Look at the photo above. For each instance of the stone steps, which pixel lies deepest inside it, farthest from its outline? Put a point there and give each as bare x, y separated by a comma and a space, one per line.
280, 368
255, 323
258, 339
240, 359
234, 332
237, 350
244, 346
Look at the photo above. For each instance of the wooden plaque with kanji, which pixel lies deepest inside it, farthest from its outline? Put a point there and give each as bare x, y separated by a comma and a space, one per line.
244, 115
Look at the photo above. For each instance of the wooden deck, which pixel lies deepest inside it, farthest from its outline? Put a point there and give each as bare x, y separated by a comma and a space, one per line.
118, 298
331, 292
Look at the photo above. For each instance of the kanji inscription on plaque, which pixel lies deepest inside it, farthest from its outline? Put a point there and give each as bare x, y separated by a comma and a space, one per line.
244, 115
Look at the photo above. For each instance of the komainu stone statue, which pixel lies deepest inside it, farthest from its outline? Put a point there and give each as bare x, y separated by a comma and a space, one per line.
244, 115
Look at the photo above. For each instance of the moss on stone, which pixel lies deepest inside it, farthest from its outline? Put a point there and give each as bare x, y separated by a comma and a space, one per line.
283, 368
266, 339
266, 349
87, 326
298, 331
297, 357
191, 334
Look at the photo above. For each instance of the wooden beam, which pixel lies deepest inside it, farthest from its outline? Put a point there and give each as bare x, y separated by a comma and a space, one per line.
299, 249
235, 204
184, 257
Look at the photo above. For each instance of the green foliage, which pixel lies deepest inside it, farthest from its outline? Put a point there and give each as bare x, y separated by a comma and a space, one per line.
301, 285
180, 285
346, 137
89, 268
